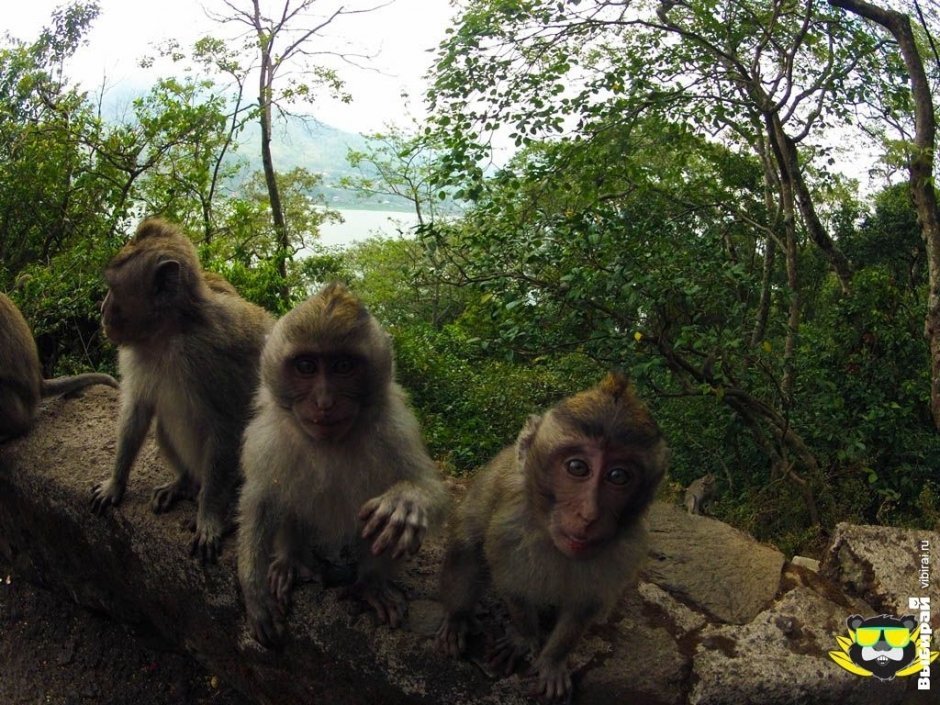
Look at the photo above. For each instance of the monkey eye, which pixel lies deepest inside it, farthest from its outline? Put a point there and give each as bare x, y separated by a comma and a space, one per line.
305, 365
620, 476
344, 365
577, 468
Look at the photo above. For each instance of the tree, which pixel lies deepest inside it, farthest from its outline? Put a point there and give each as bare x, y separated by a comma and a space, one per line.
692, 137
920, 168
282, 40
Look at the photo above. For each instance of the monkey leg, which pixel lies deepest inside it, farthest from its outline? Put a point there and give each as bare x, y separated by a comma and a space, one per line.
374, 586
134, 424
183, 487
520, 642
463, 579
552, 677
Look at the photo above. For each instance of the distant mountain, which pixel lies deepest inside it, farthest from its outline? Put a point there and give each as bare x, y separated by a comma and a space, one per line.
297, 142
321, 149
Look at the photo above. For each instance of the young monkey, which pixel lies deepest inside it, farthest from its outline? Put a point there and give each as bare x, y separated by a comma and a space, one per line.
555, 523
334, 464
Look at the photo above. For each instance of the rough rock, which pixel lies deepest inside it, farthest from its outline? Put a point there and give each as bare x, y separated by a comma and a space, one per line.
712, 566
718, 618
884, 565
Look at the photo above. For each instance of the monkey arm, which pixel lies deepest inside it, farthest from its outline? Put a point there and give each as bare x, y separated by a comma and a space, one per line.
553, 679
134, 423
258, 529
216, 496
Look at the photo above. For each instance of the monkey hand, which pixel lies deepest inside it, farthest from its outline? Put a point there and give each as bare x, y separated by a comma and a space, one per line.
397, 519
385, 599
452, 635
281, 575
508, 651
266, 623
104, 495
206, 544
552, 681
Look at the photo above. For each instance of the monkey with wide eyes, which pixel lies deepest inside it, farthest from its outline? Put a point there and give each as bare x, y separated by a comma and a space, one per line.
21, 382
188, 355
699, 493
334, 464
555, 524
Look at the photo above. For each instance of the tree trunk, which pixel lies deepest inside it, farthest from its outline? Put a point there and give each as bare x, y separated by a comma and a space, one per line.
785, 152
270, 175
920, 172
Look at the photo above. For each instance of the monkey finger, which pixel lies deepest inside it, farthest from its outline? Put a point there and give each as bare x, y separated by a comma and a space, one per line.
417, 539
379, 518
369, 507
267, 630
205, 548
103, 495
452, 636
383, 541
405, 544
505, 656
280, 581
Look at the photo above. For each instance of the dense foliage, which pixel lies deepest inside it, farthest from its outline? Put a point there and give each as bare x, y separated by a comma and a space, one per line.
672, 207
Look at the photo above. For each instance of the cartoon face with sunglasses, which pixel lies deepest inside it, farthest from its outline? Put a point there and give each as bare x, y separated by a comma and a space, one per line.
883, 645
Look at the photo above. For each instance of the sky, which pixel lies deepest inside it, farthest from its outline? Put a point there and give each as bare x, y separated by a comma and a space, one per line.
403, 34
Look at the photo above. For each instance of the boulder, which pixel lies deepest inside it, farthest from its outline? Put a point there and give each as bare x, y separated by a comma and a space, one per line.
716, 618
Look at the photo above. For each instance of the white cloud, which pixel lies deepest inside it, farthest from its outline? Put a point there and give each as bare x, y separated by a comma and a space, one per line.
403, 34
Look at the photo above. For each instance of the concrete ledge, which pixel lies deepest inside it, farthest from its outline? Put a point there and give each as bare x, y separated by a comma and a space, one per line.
662, 645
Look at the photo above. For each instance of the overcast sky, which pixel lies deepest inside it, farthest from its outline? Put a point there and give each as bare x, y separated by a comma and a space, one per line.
402, 34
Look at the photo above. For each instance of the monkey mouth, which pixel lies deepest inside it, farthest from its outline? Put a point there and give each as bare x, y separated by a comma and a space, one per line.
325, 428
575, 546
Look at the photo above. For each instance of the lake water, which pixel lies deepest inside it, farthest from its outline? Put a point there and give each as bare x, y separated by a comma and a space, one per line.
360, 225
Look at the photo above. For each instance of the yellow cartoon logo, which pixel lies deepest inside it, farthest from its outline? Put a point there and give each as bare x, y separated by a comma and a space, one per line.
884, 647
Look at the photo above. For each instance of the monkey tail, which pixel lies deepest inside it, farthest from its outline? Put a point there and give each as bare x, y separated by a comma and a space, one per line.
68, 385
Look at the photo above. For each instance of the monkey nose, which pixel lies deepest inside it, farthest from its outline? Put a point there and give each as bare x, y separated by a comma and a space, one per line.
588, 512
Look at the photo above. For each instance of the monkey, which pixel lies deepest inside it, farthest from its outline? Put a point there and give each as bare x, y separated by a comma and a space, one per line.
21, 381
554, 524
699, 493
188, 355
219, 284
334, 465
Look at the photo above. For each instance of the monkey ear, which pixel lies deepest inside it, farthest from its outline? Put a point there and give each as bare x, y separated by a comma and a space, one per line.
854, 621
616, 384
166, 279
527, 436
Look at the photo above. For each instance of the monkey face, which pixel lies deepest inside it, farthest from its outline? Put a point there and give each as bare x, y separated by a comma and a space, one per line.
592, 485
326, 393
142, 301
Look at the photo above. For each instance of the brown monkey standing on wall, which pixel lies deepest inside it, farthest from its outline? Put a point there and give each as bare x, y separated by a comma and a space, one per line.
21, 382
188, 356
555, 522
333, 461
